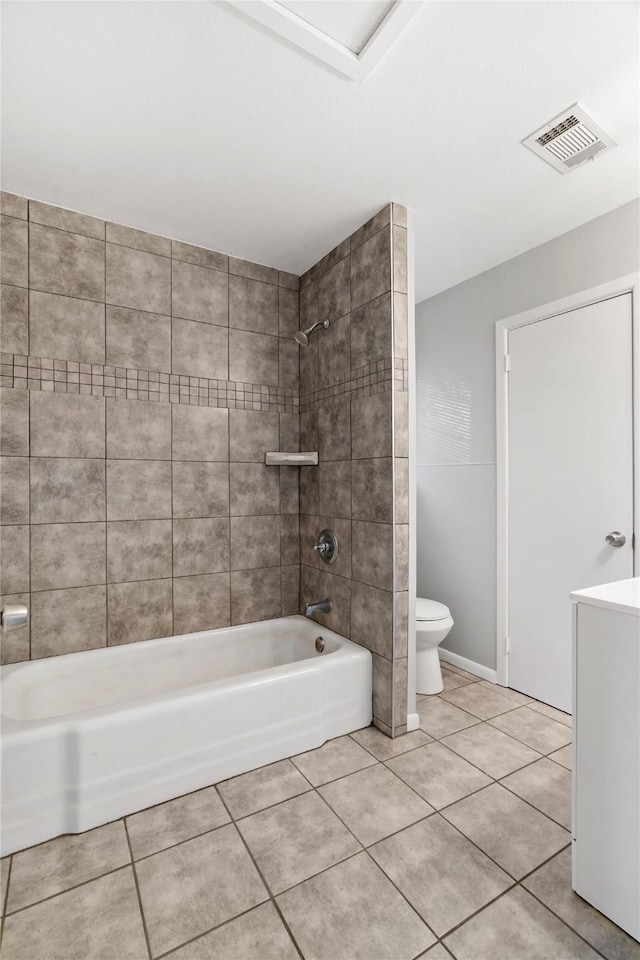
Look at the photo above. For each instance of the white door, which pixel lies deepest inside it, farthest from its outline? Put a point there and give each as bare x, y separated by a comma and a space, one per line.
570, 481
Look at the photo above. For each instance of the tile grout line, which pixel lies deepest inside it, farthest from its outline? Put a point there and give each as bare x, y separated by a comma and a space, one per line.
137, 886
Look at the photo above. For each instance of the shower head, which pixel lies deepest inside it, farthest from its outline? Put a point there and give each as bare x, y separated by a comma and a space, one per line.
302, 336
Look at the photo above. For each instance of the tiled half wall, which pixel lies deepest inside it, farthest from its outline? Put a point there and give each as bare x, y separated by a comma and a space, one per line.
142, 381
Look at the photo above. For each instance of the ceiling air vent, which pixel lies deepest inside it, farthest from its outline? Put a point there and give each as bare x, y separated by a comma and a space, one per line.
569, 140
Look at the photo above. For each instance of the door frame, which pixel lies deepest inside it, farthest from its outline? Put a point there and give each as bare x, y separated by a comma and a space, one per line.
605, 291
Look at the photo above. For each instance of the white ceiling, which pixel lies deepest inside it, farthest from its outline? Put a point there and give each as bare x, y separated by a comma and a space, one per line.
187, 119
350, 22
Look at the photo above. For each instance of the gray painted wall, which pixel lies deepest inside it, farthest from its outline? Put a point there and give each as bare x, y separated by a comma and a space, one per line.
455, 360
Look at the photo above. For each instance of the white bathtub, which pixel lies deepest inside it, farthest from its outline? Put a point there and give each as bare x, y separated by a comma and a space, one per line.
88, 737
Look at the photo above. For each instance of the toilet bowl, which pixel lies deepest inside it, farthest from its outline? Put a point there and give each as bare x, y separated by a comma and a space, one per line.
433, 623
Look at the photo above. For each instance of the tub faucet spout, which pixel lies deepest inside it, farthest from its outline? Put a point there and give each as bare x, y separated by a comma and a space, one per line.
321, 606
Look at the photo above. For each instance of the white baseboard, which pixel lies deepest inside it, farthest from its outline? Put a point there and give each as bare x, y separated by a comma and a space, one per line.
477, 669
413, 722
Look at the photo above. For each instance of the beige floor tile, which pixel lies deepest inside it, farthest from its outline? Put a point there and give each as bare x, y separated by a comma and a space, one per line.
439, 718
517, 926
441, 874
169, 823
383, 747
374, 803
534, 729
353, 912
520, 698
547, 786
296, 839
552, 884
65, 862
100, 920
564, 756
257, 935
437, 952
508, 830
451, 667
262, 788
453, 680
552, 713
438, 774
4, 876
334, 759
195, 886
478, 701
491, 750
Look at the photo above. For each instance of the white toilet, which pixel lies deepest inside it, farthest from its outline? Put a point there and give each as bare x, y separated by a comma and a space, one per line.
433, 622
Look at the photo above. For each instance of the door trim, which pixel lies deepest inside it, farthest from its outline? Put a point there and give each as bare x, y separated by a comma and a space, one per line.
605, 291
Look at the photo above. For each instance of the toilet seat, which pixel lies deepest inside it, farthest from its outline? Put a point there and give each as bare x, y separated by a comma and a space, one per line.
430, 610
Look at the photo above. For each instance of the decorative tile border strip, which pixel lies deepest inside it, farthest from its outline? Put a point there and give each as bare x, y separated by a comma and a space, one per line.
380, 376
101, 380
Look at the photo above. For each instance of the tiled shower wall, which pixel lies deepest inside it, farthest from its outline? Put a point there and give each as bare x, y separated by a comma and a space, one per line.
142, 381
353, 403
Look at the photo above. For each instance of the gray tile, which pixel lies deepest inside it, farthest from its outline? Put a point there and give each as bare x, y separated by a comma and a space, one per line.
399, 214
331, 915
138, 279
288, 312
547, 787
251, 434
137, 430
288, 364
532, 728
400, 325
372, 490
334, 256
551, 712
201, 602
371, 227
401, 532
66, 263
200, 489
200, 294
310, 530
309, 364
196, 885
439, 718
14, 306
253, 305
516, 925
256, 935
138, 339
382, 699
401, 624
491, 750
290, 590
140, 610
66, 327
338, 589
14, 422
255, 489
255, 595
200, 433
253, 357
401, 424
510, 831
14, 559
289, 490
200, 546
334, 488
552, 884
67, 555
13, 205
14, 490
66, 621
66, 425
5, 865
438, 774
384, 747
255, 271
65, 862
66, 490
296, 839
253, 540
15, 253
199, 255
443, 876
399, 259
371, 268
173, 822
62, 219
401, 478
371, 426
478, 701
564, 756
100, 920
334, 351
138, 489
308, 277
372, 554
514, 695
372, 618
199, 349
138, 550
139, 239
289, 280
374, 803
262, 788
15, 645
371, 331
334, 759
334, 291
289, 540
309, 491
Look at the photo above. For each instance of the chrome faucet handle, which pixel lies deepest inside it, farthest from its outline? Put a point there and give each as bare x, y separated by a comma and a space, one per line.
322, 547
13, 616
327, 546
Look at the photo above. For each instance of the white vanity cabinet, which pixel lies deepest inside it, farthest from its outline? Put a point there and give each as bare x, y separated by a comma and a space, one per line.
606, 750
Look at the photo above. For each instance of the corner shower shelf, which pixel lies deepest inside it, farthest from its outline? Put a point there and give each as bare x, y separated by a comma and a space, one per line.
292, 459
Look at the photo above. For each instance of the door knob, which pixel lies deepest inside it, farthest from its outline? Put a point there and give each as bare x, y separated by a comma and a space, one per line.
616, 539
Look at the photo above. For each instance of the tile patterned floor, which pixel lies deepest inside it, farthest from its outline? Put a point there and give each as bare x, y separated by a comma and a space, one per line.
449, 842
